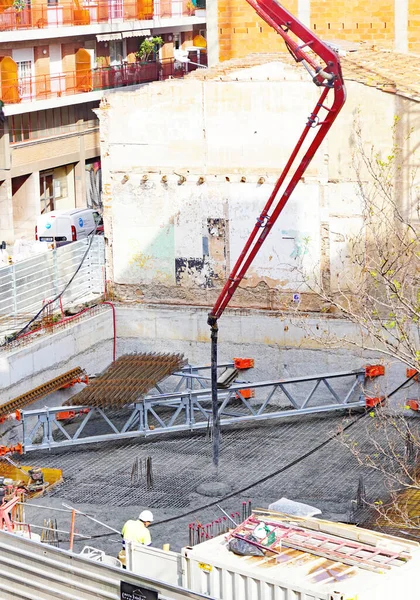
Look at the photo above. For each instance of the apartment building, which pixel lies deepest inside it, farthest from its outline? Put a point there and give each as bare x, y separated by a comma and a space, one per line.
58, 58
234, 30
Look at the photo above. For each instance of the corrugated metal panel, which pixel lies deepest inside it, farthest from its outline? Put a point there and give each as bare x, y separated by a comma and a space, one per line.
33, 571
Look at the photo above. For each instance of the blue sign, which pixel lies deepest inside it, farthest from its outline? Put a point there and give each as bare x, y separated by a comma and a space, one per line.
296, 297
48, 226
80, 222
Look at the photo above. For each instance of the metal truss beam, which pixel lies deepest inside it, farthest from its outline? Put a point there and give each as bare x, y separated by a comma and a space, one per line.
188, 407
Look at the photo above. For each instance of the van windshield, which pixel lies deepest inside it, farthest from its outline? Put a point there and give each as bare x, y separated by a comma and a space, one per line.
98, 219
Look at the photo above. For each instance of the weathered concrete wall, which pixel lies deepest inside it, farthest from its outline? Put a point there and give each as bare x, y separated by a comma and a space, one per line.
188, 173
282, 346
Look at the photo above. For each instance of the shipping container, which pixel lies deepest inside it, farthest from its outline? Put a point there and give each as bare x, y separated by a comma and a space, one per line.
376, 567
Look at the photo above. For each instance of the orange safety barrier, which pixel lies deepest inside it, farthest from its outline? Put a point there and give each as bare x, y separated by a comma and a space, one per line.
243, 363
67, 14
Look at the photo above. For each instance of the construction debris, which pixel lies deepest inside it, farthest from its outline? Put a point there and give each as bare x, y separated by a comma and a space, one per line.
49, 534
30, 481
291, 507
128, 379
200, 532
270, 532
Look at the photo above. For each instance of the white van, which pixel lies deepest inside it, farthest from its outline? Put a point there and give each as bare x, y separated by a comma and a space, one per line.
63, 226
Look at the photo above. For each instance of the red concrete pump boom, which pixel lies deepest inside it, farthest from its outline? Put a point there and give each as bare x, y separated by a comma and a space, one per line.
325, 74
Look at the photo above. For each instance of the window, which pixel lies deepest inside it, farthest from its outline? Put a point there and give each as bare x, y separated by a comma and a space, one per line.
46, 181
115, 8
98, 219
116, 52
25, 78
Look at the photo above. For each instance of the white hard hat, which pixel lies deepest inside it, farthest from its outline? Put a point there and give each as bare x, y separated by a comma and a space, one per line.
146, 515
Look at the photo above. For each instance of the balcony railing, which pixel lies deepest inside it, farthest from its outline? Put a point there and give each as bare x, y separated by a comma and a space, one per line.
43, 87
89, 12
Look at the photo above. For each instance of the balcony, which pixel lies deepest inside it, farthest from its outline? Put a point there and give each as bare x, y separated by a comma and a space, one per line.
45, 87
88, 12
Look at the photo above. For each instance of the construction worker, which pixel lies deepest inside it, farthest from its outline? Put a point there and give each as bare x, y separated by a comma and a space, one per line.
138, 531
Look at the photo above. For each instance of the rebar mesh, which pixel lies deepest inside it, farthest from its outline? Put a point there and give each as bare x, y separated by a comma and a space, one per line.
128, 379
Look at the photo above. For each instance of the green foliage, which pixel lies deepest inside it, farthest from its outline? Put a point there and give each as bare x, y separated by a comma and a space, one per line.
148, 48
19, 5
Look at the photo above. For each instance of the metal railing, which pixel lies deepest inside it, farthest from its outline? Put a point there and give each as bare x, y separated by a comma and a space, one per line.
27, 285
90, 12
42, 87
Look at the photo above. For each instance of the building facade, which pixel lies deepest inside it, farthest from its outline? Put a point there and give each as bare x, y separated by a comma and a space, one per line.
57, 60
235, 30
175, 222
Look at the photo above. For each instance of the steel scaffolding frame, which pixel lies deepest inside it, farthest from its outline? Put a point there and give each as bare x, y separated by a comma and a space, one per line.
188, 407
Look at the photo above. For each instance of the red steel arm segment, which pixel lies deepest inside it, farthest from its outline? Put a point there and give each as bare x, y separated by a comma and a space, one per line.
328, 76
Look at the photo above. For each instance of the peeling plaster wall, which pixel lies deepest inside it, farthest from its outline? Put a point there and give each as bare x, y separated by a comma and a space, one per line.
177, 235
188, 166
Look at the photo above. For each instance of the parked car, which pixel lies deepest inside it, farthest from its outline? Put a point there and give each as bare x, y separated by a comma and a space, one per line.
63, 226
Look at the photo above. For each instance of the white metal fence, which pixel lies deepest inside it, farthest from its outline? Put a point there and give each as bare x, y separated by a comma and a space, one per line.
27, 285
34, 571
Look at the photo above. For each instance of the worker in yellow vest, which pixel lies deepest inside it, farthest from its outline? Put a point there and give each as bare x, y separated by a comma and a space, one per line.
138, 530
